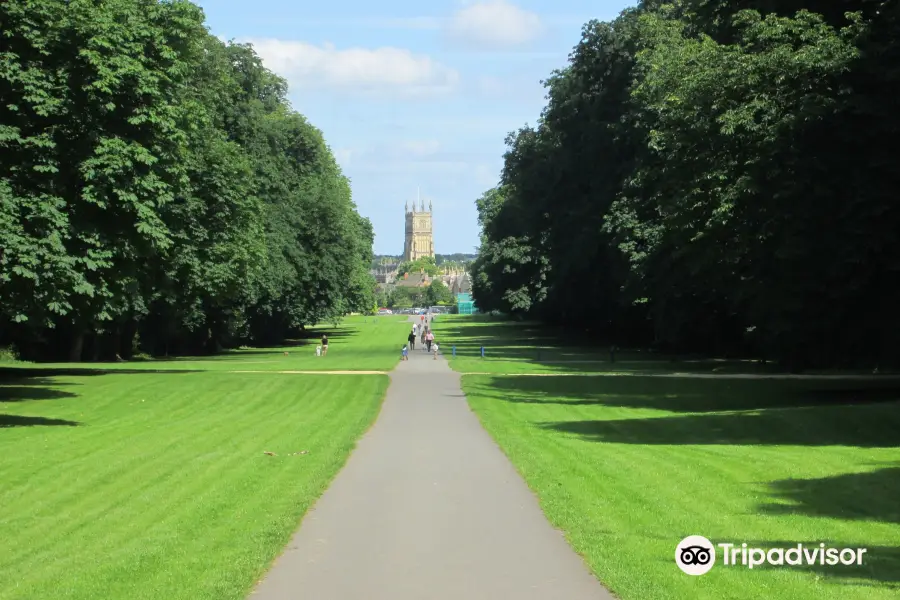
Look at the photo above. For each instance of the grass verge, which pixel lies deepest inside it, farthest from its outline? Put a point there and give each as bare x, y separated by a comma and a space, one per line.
156, 485
629, 466
357, 344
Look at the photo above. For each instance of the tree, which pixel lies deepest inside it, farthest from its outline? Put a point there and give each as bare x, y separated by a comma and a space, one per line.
156, 183
424, 264
438, 293
693, 159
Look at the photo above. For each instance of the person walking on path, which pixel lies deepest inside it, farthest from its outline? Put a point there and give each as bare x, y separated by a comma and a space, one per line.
411, 338
429, 337
435, 348
324, 345
405, 353
466, 525
424, 332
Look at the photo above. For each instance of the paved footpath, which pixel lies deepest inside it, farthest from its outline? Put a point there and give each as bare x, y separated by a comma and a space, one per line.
428, 508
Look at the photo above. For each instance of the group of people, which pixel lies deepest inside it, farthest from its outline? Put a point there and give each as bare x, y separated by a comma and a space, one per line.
423, 333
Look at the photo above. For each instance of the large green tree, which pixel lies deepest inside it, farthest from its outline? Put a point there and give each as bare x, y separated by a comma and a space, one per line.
714, 176
155, 182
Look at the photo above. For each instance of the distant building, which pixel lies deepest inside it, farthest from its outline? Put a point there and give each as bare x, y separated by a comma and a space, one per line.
419, 239
414, 280
385, 273
461, 285
465, 304
457, 280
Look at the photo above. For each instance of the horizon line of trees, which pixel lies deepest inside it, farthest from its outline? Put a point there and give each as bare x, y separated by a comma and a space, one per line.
712, 177
158, 194
395, 296
439, 259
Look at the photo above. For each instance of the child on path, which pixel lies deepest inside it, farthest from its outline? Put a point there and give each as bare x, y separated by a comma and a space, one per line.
435, 347
405, 351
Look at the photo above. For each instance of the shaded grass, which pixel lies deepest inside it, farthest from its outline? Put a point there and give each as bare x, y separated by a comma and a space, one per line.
157, 485
628, 467
357, 344
525, 347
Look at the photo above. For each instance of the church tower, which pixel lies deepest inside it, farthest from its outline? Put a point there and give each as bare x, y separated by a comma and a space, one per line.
419, 240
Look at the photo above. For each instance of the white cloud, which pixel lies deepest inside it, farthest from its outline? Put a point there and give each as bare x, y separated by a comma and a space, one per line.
395, 70
414, 23
344, 156
495, 23
492, 86
486, 176
418, 148
380, 156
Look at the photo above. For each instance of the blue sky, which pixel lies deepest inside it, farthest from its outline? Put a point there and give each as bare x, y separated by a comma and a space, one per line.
414, 95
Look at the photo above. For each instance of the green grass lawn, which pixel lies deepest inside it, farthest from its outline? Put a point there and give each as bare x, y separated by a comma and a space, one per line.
156, 485
629, 466
357, 344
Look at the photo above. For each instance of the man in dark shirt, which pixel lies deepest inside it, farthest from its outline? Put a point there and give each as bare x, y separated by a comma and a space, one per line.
412, 340
324, 345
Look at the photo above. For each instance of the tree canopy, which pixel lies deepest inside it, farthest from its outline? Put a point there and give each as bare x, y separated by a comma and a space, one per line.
157, 192
424, 264
713, 177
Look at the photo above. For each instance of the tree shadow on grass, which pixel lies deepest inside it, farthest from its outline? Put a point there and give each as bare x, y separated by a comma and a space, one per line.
686, 394
33, 391
7, 421
880, 566
574, 350
10, 373
861, 426
867, 496
512, 342
310, 337
16, 387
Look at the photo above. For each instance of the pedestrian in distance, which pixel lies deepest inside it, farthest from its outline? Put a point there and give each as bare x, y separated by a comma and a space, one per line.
324, 345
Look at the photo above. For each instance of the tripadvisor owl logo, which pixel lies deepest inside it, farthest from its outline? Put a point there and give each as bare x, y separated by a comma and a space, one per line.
695, 555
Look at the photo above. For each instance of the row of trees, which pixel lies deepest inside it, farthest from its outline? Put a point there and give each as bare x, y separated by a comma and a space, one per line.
157, 192
424, 264
435, 293
712, 177
441, 260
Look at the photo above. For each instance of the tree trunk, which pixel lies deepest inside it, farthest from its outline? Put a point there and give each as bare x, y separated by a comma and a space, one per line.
77, 345
126, 340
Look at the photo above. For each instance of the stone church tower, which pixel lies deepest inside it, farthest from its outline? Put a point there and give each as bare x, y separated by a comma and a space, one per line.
419, 240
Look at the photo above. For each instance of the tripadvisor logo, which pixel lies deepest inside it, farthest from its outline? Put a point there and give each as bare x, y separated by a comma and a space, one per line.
696, 555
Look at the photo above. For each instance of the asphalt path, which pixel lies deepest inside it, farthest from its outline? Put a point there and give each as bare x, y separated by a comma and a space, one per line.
428, 508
